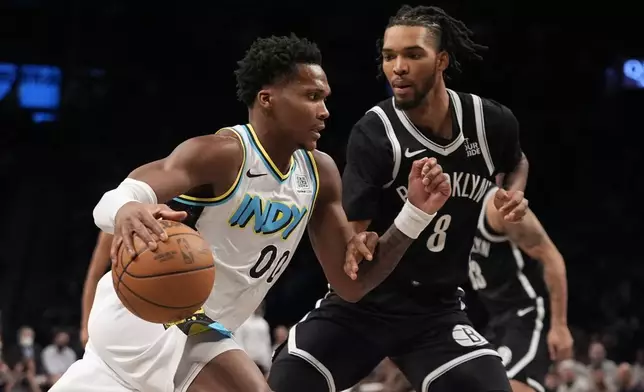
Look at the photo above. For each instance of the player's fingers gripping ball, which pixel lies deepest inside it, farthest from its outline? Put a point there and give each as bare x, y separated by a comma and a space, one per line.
170, 283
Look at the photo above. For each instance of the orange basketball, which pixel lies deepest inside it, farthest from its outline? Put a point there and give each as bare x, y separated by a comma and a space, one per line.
169, 284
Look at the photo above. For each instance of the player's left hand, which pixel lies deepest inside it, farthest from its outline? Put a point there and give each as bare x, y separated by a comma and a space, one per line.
362, 246
511, 204
560, 343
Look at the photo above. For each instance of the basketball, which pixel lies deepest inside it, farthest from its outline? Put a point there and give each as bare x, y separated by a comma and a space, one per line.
169, 284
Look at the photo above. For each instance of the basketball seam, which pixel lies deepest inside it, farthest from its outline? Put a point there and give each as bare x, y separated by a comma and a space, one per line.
169, 273
163, 306
124, 271
118, 286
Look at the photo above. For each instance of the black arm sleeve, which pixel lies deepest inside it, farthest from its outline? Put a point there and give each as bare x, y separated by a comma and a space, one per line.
369, 167
502, 130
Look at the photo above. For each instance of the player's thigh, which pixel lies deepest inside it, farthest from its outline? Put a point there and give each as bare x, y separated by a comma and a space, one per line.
213, 361
524, 352
447, 352
90, 374
143, 355
321, 355
231, 371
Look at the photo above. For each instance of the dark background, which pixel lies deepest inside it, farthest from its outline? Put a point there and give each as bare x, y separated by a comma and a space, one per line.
137, 79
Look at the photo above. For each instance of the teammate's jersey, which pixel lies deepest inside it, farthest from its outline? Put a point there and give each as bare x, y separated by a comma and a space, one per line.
382, 147
254, 228
504, 277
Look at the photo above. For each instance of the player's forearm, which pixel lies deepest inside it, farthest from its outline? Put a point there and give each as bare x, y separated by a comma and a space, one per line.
555, 277
89, 292
518, 178
391, 247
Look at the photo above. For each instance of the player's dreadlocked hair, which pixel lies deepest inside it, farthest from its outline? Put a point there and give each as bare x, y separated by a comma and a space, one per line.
451, 34
270, 60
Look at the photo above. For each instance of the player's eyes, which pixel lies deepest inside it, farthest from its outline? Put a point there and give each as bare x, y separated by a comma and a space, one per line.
388, 57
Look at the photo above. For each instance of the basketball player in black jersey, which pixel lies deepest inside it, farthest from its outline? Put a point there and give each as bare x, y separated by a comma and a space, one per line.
415, 316
511, 287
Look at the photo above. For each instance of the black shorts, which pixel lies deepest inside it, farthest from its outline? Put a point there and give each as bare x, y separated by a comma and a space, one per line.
338, 344
520, 338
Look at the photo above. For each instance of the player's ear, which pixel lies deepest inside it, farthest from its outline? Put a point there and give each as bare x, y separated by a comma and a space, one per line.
264, 98
442, 61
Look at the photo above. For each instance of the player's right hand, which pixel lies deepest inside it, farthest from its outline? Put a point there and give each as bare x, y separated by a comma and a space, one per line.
141, 220
428, 187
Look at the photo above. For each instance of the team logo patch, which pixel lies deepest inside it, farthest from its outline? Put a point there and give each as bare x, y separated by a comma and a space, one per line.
506, 355
467, 336
302, 184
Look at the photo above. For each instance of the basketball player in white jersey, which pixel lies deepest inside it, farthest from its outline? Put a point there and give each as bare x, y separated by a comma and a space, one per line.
255, 189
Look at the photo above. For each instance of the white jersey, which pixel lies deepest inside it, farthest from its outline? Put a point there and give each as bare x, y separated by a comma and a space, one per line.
254, 228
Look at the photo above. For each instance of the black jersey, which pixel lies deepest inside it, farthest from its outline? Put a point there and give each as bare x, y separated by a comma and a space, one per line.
505, 278
383, 145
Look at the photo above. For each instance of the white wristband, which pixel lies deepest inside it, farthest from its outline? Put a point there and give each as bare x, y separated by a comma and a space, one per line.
411, 220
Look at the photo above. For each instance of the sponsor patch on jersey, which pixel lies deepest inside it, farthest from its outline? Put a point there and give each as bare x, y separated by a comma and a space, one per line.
302, 184
466, 336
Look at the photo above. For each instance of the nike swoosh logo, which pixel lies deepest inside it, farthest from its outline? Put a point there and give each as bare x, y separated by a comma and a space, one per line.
253, 175
409, 154
523, 312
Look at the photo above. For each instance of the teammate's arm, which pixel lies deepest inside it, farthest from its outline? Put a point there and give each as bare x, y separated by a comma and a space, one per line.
132, 207
510, 161
330, 232
97, 268
531, 237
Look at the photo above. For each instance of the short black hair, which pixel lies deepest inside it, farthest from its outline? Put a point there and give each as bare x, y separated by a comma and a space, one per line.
452, 34
272, 59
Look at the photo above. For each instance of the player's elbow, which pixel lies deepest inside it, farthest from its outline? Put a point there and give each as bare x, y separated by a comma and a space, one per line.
102, 216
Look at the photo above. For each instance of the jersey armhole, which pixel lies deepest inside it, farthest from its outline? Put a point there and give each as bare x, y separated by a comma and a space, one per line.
393, 140
198, 201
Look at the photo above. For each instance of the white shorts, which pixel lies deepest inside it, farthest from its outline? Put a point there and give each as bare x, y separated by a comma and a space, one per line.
126, 353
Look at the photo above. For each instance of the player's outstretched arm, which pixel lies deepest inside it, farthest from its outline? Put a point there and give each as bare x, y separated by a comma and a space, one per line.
132, 207
531, 237
97, 267
339, 249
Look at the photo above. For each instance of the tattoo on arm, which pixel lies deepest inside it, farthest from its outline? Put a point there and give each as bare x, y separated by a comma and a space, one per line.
526, 236
391, 247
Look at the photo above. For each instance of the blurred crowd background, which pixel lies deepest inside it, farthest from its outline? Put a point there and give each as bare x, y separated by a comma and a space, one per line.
90, 90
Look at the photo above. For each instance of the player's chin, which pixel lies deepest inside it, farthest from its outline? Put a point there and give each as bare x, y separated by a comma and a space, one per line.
404, 103
311, 143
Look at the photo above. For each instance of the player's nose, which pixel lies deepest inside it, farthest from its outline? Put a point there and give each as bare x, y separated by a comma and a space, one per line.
323, 113
400, 66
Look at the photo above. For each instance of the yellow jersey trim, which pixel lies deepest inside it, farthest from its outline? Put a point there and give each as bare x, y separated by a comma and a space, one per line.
267, 159
235, 184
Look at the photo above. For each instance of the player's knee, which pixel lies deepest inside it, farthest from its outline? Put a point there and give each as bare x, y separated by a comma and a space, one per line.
482, 374
293, 374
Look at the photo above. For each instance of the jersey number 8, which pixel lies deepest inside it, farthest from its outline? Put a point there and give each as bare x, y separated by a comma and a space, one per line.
436, 241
